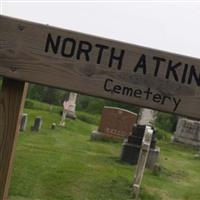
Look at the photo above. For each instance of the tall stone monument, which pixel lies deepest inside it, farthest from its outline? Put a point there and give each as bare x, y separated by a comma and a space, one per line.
132, 145
187, 132
71, 109
146, 116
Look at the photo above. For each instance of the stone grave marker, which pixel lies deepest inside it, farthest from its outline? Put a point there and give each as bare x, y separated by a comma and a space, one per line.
132, 146
23, 122
147, 116
115, 123
187, 132
71, 109
37, 124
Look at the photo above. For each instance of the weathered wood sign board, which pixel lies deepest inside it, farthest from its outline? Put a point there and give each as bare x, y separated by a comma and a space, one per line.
100, 67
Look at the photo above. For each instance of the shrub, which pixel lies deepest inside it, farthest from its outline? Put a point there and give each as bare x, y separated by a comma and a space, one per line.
166, 121
89, 118
29, 104
162, 134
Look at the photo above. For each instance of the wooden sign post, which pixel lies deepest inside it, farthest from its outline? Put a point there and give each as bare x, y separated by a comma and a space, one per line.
31, 52
11, 103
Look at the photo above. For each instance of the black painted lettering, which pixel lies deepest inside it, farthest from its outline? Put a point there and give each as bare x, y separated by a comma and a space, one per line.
176, 102
158, 61
100, 53
117, 89
106, 88
84, 48
172, 69
148, 92
118, 58
127, 91
184, 73
53, 44
193, 75
157, 98
68, 47
141, 64
138, 93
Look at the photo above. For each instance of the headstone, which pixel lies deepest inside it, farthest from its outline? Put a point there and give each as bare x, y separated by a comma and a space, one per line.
187, 132
146, 116
116, 123
37, 124
132, 145
153, 157
23, 122
71, 108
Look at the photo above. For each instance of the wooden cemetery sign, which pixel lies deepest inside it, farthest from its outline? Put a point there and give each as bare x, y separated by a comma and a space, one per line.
100, 67
31, 52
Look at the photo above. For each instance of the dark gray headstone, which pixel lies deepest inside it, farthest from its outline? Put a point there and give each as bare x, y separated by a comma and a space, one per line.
23, 122
153, 157
132, 145
37, 124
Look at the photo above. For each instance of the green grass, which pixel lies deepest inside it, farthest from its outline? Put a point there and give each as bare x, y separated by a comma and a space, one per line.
63, 164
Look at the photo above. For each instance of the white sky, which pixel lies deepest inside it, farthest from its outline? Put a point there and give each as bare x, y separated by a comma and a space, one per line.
173, 27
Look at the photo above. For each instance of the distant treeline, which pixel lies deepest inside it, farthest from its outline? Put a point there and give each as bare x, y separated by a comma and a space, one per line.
84, 103
93, 105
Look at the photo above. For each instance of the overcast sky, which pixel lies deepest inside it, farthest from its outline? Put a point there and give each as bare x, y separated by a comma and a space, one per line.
173, 27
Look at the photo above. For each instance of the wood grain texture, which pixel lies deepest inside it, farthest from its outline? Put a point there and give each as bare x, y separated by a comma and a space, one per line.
23, 57
11, 103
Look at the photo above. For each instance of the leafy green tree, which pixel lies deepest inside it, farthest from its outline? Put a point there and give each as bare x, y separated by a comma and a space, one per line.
166, 121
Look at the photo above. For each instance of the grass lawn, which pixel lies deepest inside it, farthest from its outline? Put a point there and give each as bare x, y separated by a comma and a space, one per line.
63, 164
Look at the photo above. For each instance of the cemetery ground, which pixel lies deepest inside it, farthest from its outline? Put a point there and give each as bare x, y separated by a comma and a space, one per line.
64, 164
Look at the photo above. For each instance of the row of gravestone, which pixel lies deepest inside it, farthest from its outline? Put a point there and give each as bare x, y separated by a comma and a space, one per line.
115, 123
119, 123
24, 120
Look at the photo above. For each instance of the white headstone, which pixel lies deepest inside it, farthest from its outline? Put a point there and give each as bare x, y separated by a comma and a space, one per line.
187, 132
146, 116
71, 108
